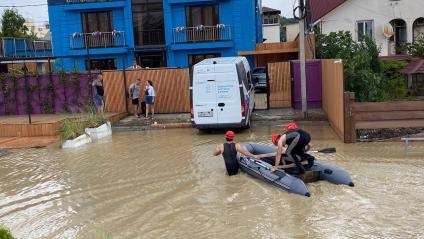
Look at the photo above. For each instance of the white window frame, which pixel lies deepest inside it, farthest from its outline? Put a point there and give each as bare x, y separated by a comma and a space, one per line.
358, 31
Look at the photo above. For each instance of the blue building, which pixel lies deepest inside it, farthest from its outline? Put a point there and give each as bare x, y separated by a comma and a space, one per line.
111, 34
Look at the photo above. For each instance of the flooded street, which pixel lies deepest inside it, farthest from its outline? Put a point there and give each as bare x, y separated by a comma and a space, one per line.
167, 184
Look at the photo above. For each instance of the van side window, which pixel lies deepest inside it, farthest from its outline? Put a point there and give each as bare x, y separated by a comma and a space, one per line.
249, 80
242, 74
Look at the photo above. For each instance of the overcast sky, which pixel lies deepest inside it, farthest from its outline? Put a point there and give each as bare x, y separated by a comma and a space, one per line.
39, 13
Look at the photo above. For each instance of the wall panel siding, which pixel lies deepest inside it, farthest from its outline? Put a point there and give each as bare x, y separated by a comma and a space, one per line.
332, 94
279, 85
171, 86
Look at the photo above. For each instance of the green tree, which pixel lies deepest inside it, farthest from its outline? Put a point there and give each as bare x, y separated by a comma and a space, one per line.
417, 47
395, 82
12, 24
363, 71
5, 233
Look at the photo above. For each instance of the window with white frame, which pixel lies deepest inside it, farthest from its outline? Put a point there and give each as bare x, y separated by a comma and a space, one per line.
365, 28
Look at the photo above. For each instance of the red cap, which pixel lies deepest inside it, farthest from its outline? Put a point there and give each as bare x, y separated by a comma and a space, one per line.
230, 134
291, 126
275, 138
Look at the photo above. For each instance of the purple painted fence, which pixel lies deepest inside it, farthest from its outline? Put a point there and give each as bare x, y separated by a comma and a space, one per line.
54, 93
313, 83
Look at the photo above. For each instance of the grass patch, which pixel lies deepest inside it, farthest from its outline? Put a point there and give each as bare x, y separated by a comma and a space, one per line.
71, 128
93, 118
5, 233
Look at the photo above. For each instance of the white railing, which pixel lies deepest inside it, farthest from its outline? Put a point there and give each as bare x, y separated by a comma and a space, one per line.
19, 47
201, 34
97, 40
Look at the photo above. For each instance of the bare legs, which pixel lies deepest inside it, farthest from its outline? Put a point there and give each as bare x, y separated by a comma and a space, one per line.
151, 109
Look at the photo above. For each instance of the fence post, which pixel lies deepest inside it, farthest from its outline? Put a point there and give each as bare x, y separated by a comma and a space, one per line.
349, 122
125, 84
28, 95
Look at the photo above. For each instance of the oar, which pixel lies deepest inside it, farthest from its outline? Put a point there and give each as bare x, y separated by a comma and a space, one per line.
325, 151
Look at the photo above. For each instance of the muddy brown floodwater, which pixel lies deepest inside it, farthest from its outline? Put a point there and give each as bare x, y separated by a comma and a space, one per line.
166, 184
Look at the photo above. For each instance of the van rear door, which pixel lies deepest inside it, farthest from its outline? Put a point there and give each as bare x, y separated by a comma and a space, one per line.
204, 95
228, 94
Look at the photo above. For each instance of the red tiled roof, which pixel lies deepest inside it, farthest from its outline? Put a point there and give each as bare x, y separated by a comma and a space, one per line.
320, 8
270, 10
416, 67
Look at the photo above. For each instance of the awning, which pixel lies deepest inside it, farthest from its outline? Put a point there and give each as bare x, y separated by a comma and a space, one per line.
416, 67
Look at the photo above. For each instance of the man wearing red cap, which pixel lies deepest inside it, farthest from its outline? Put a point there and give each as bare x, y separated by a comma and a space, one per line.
229, 151
297, 141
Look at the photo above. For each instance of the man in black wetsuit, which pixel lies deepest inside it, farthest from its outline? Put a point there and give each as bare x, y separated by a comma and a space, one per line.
297, 141
229, 151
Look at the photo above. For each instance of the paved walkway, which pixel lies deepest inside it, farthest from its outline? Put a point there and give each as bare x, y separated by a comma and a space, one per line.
27, 142
132, 123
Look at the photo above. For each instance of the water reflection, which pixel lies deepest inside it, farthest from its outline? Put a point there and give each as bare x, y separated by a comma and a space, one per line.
167, 184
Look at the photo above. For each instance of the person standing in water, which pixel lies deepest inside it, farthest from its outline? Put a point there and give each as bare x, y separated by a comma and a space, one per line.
229, 151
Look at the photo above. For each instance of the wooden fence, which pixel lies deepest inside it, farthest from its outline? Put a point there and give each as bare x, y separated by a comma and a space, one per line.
279, 85
332, 94
171, 86
381, 115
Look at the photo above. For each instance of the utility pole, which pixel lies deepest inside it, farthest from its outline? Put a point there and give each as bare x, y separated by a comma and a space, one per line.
302, 16
87, 47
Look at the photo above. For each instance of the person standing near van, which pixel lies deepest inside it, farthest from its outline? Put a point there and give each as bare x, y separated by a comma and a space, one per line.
150, 99
229, 151
98, 84
134, 95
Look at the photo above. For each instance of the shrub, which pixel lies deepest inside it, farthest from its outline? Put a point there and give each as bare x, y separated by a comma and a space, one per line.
5, 233
416, 48
395, 84
363, 70
71, 128
94, 118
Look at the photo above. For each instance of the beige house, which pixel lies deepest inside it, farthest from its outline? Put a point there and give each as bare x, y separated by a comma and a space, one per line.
391, 23
271, 25
39, 31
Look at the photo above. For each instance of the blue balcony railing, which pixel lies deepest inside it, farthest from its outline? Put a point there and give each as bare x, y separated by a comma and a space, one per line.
97, 40
18, 47
201, 34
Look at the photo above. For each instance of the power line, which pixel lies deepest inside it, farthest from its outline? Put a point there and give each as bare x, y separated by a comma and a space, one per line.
28, 5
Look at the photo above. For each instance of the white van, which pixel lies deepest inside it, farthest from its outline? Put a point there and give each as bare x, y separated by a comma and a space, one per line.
221, 93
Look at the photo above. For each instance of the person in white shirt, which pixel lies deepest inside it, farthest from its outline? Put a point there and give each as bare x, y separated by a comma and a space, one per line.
150, 99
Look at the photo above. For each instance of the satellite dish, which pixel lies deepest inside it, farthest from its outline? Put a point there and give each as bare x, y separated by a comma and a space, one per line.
388, 30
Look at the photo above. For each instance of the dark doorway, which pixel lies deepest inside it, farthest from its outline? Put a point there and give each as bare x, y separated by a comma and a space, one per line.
194, 59
148, 22
399, 38
151, 59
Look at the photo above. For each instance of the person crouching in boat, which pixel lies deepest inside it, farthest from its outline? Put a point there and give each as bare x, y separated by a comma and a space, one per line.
229, 151
297, 141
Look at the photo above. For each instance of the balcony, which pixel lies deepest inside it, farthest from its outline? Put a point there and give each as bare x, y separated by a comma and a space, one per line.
150, 37
97, 40
198, 34
18, 47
